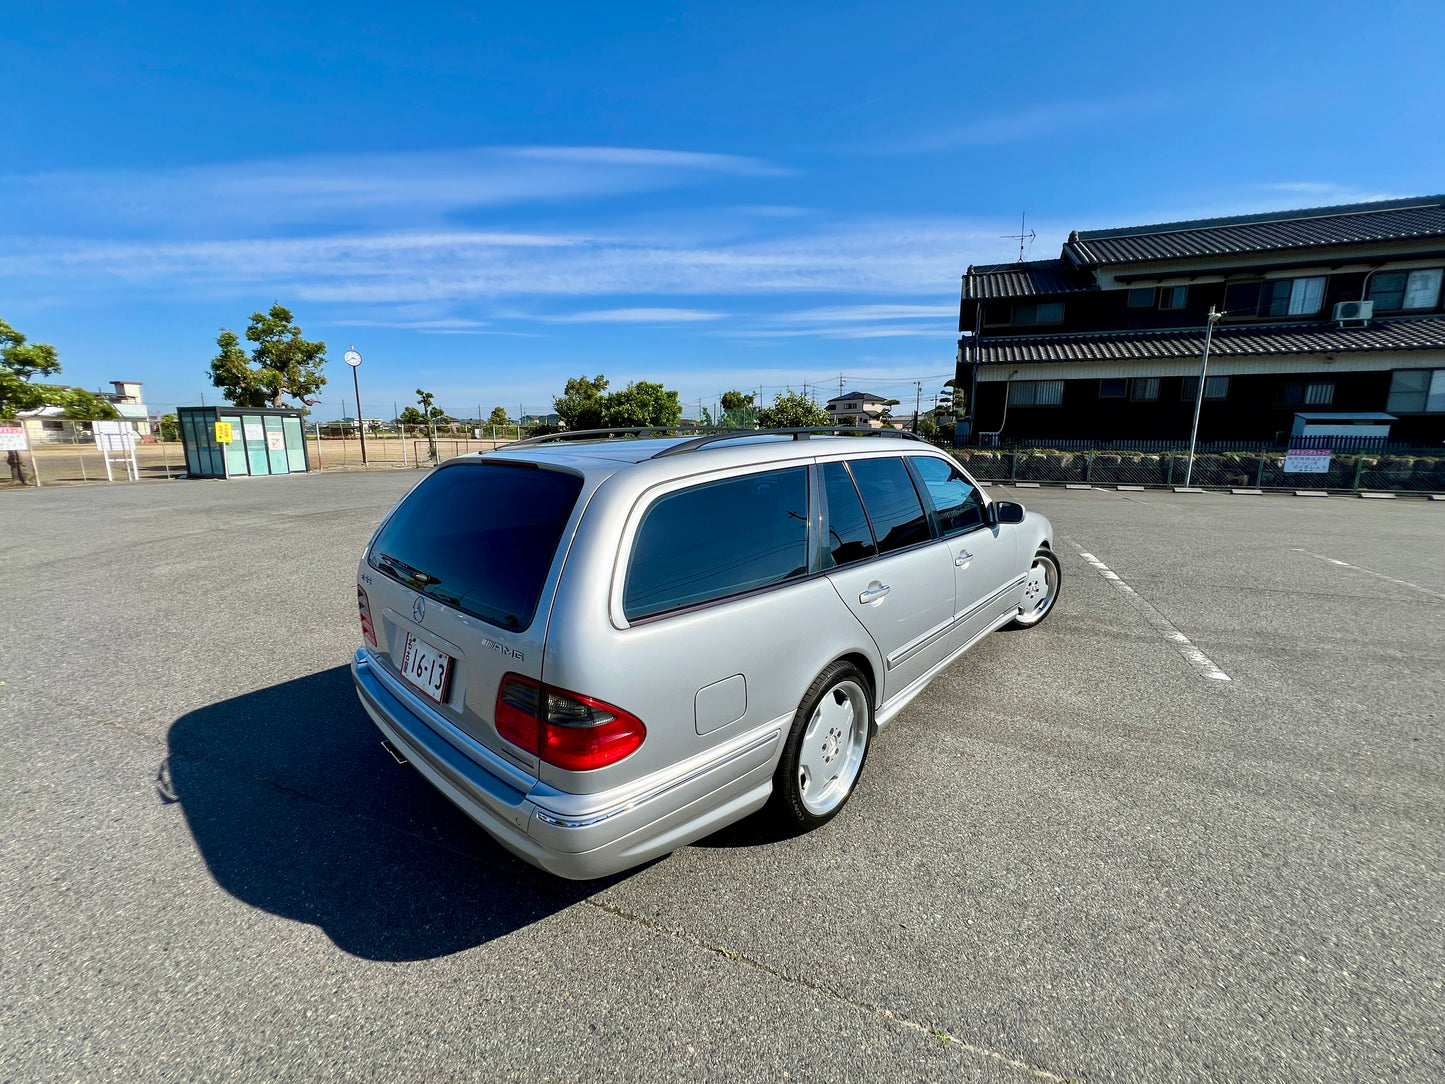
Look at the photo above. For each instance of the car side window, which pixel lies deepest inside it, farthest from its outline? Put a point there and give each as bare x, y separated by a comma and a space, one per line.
958, 505
846, 537
892, 503
719, 539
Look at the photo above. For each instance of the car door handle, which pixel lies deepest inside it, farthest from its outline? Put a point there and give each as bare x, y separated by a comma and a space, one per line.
962, 559
874, 593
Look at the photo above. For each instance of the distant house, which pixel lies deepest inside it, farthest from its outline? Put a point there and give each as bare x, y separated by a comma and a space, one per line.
48, 425
865, 408
1329, 310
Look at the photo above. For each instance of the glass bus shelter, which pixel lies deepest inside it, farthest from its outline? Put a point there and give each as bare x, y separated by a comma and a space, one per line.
263, 441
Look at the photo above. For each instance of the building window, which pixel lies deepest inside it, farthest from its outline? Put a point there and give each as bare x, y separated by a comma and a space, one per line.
1417, 391
1143, 388
1241, 299
1215, 387
1047, 312
1173, 297
52, 425
1036, 393
1141, 297
1406, 289
1115, 388
1294, 297
995, 315
1302, 394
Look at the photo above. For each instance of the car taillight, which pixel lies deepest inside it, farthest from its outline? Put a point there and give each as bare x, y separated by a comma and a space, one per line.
364, 605
568, 730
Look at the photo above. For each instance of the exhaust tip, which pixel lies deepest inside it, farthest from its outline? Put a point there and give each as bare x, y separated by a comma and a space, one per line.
394, 751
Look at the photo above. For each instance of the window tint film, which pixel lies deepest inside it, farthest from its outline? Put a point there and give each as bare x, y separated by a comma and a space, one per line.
892, 502
479, 537
956, 502
719, 539
847, 538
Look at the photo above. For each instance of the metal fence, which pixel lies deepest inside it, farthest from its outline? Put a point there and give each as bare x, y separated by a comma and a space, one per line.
1409, 471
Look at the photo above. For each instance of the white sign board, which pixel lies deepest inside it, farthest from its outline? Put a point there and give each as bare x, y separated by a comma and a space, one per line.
1307, 461
255, 431
276, 442
13, 439
114, 436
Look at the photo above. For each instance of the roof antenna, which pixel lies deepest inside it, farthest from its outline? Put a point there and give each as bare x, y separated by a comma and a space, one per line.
1024, 234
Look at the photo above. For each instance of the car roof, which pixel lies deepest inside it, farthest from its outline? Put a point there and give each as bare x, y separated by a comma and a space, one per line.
600, 458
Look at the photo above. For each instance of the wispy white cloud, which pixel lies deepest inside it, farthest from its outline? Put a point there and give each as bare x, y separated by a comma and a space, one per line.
1325, 193
871, 312
890, 257
397, 189
1021, 125
634, 316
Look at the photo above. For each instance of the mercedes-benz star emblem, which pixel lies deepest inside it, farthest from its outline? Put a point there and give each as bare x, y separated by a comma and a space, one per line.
418, 609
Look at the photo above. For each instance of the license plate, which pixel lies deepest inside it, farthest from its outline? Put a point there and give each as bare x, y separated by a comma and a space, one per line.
426, 667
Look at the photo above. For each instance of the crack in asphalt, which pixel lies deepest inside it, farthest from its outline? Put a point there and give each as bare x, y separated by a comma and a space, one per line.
828, 992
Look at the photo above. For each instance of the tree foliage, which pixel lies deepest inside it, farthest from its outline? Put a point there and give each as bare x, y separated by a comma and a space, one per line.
282, 364
640, 404
20, 361
499, 417
735, 400
580, 405
586, 404
790, 410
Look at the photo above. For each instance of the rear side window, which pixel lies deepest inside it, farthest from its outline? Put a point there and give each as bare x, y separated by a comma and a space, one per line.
956, 502
479, 537
892, 502
848, 538
719, 539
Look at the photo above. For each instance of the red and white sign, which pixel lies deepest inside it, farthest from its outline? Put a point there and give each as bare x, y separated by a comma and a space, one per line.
13, 438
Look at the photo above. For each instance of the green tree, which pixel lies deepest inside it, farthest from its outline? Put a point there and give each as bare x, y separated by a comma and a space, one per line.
411, 416
887, 416
736, 400
429, 411
791, 410
282, 363
499, 417
580, 405
639, 404
20, 361
170, 427
927, 428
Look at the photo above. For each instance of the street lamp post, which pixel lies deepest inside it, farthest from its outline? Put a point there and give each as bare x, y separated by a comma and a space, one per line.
354, 360
1199, 396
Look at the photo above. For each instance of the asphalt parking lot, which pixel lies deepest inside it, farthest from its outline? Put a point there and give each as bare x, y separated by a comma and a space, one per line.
1079, 856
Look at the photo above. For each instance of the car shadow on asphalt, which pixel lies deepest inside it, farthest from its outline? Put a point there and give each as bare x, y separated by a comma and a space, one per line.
298, 810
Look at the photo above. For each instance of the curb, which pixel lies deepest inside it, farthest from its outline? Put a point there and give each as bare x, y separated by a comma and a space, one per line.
1310, 493
1247, 492
1077, 485
1187, 489
1378, 496
1130, 489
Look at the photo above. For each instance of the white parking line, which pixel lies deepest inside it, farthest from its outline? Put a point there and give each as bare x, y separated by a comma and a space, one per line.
1196, 658
1372, 572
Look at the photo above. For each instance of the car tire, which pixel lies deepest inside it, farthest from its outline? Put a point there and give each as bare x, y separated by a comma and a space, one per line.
826, 747
1041, 590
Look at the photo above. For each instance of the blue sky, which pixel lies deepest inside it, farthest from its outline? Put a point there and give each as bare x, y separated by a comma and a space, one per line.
486, 200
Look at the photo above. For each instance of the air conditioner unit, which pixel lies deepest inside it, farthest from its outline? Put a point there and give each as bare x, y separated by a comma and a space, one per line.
1354, 310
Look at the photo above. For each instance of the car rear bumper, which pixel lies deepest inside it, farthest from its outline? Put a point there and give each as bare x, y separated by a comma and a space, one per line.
571, 835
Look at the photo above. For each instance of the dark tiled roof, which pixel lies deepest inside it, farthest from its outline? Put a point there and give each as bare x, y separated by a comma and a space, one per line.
1254, 339
984, 282
868, 395
1315, 227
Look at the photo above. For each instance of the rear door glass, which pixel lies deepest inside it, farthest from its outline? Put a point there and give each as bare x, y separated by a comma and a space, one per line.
958, 505
719, 539
479, 537
847, 538
892, 502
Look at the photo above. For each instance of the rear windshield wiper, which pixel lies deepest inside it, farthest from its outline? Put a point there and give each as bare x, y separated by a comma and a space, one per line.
403, 571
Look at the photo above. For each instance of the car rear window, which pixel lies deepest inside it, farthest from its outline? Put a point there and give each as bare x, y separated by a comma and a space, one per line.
719, 539
479, 537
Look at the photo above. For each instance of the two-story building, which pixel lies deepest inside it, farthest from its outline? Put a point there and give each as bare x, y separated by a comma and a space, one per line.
1329, 310
860, 408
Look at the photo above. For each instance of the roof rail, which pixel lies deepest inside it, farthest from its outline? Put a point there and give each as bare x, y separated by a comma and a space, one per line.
643, 432
797, 434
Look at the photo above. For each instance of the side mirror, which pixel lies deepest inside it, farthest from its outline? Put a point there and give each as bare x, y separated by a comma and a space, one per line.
1007, 512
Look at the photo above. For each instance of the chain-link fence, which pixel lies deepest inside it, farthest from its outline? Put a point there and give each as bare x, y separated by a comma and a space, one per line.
1417, 471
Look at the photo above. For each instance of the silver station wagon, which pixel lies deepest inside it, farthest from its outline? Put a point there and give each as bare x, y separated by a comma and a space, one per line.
603, 649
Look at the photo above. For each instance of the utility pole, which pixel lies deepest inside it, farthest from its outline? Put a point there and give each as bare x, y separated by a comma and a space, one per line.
1199, 396
917, 397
